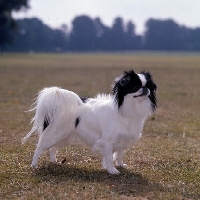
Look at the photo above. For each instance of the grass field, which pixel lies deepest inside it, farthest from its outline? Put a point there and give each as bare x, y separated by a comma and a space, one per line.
164, 164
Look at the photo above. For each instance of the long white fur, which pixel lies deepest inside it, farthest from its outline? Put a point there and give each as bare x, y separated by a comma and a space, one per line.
103, 126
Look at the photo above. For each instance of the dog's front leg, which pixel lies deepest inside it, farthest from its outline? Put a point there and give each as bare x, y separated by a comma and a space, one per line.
106, 150
108, 160
118, 158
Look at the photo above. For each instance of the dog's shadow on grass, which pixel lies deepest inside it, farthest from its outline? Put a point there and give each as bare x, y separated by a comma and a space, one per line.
125, 183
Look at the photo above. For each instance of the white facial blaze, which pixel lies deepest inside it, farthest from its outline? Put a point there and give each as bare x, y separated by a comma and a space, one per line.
143, 79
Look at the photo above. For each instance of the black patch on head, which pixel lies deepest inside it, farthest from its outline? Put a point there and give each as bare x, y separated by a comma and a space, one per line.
152, 87
77, 121
84, 99
46, 123
128, 83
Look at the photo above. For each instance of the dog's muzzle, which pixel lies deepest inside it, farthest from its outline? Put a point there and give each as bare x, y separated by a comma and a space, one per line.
145, 92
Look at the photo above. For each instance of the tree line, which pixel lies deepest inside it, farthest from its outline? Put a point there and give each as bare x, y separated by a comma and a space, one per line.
89, 34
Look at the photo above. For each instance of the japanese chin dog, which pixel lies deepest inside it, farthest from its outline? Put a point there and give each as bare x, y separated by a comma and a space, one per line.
109, 124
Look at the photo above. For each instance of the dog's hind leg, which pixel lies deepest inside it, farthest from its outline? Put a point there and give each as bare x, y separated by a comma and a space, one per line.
54, 149
45, 142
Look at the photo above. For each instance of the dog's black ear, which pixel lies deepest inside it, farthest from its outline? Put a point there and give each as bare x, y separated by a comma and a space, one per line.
124, 81
155, 86
150, 82
147, 75
126, 77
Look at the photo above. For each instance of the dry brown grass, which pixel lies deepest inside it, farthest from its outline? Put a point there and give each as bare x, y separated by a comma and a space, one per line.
163, 165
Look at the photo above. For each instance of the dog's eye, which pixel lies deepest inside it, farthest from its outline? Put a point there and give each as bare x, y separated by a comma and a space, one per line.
136, 88
124, 81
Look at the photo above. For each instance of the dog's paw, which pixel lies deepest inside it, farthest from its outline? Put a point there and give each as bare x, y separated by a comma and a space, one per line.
34, 166
113, 171
121, 164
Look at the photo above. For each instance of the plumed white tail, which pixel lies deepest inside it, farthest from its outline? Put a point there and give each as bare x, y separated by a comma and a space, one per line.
53, 103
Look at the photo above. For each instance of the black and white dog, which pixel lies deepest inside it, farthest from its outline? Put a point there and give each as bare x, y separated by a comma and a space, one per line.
109, 124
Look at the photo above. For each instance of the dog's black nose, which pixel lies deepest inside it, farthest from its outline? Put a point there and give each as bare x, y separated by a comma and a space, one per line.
145, 90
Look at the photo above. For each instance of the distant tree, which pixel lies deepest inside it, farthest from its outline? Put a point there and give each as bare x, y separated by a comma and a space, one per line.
112, 39
64, 28
130, 29
103, 35
99, 27
7, 23
194, 43
117, 34
118, 37
82, 37
35, 36
165, 35
132, 41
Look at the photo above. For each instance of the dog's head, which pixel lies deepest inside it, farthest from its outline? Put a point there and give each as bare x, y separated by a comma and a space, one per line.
140, 86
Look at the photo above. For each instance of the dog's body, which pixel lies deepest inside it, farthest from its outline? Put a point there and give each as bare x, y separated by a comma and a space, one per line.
108, 123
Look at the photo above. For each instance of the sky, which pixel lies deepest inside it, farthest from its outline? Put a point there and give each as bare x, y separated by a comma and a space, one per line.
57, 12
